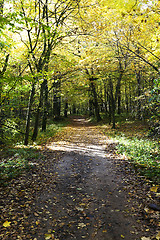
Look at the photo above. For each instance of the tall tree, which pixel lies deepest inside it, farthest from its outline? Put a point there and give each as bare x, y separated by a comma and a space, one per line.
43, 22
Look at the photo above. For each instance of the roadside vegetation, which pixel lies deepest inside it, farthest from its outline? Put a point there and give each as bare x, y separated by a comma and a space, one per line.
135, 145
17, 158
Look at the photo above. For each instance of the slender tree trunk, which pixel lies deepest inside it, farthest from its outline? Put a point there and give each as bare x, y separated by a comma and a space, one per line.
113, 105
130, 98
56, 106
36, 124
105, 98
119, 102
95, 99
29, 114
45, 108
126, 99
138, 75
74, 108
1, 90
94, 94
66, 109
110, 109
91, 112
56, 100
118, 92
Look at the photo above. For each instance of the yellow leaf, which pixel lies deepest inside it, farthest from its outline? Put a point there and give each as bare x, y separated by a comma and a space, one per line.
158, 236
154, 188
6, 224
49, 236
122, 236
145, 238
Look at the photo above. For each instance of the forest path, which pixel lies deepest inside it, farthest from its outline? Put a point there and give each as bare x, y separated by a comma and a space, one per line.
88, 192
75, 192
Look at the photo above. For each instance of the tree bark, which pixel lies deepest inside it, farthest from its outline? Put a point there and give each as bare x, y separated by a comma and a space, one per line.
91, 112
36, 124
66, 109
2, 100
105, 98
45, 107
118, 91
29, 114
56, 100
126, 99
113, 105
138, 76
95, 99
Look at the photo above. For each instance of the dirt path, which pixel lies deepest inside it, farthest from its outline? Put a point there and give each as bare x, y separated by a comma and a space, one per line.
75, 192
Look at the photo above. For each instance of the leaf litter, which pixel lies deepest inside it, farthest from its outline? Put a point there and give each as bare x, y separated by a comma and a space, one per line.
70, 194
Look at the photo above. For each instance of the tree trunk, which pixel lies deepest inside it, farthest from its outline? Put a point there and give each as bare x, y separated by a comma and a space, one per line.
66, 109
29, 114
1, 90
138, 76
126, 99
56, 106
105, 98
118, 91
56, 100
109, 108
130, 98
119, 102
113, 105
36, 124
91, 112
45, 107
95, 99
74, 109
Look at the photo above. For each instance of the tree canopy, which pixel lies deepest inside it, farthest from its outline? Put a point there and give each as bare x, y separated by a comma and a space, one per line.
86, 57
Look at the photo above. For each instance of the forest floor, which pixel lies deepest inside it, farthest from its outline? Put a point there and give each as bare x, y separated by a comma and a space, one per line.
79, 189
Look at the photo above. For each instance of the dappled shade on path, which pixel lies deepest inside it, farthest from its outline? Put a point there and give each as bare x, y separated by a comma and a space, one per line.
75, 192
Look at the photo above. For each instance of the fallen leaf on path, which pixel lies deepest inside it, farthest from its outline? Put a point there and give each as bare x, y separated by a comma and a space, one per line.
81, 225
154, 188
6, 224
49, 236
158, 236
79, 209
145, 238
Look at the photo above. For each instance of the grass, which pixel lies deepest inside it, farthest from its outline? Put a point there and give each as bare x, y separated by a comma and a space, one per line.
143, 154
52, 130
133, 142
15, 159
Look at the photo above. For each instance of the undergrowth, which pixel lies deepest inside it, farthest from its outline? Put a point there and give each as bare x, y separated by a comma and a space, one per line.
133, 142
18, 158
15, 161
143, 154
51, 131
